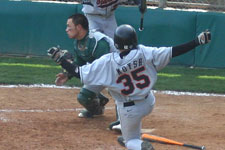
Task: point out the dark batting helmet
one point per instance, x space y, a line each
125 37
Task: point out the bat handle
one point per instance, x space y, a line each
141 24
195 147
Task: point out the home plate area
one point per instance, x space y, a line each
46 119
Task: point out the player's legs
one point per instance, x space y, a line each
95 22
102 102
106 25
110 26
97 90
91 98
115 125
131 117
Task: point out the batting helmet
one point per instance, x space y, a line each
125 37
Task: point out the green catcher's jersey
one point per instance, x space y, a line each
91 47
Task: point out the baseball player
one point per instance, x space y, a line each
101 17
100 14
88 46
129 75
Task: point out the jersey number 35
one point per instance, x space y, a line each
143 81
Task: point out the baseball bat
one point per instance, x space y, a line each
163 140
142 9
142 22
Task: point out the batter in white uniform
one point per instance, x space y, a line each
101 17
130 75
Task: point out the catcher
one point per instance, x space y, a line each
88 46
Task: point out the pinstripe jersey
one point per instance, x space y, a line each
100 7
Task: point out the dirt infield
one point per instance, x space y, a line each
46 119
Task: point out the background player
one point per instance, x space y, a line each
129 75
101 16
88 46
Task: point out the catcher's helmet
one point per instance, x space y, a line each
125 37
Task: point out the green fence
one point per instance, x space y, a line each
30 28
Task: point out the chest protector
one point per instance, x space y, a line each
86 47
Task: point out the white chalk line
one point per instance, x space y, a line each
38 86
5 119
46 110
189 93
67 87
79 109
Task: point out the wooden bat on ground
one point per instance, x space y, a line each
163 140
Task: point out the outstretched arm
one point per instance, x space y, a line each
203 38
73 69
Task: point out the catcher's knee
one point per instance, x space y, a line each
85 96
89 100
102 99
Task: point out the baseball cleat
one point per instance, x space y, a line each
146 145
117 128
85 114
121 141
88 114
114 124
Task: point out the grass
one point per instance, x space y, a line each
193 80
20 70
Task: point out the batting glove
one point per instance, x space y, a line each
56 54
204 37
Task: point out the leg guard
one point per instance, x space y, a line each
89 100
102 99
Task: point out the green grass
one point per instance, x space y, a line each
20 70
193 80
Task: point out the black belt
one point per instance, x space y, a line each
131 103
126 104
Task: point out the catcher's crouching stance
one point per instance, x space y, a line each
92 102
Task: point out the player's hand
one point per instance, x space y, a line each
61 78
204 37
86 2
142 6
56 54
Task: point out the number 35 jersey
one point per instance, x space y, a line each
128 78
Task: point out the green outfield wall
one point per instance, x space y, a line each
30 28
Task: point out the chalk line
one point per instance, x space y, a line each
67 87
46 110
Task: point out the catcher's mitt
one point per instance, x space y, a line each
56 53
